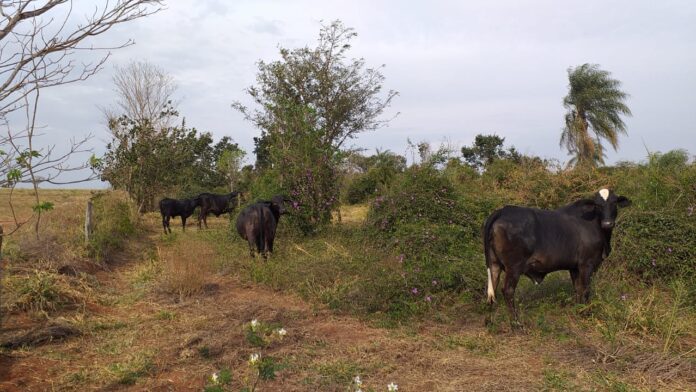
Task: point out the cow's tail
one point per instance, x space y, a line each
487 252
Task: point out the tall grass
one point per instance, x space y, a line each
185 268
115 221
47 273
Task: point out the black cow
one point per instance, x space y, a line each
535 242
215 204
173 207
257 224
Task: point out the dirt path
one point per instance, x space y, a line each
138 338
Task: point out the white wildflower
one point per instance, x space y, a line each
254 358
282 332
357 381
392 387
254 323
214 377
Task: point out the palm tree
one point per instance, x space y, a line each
594 101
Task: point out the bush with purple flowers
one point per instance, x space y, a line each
421 217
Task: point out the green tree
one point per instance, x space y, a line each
595 102
148 162
310 102
486 149
229 164
375 171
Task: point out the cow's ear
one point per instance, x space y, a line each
586 204
623 201
588 208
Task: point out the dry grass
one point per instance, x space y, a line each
43 291
68 209
353 213
185 268
31 280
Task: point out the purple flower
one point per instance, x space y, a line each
414 291
669 250
654 264
401 258
624 297
434 282
428 298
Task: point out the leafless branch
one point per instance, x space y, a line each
37 47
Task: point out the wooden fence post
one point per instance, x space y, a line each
88 221
1 237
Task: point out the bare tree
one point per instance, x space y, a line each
39 43
39 46
145 94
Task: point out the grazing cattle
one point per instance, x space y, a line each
534 242
215 204
172 207
257 224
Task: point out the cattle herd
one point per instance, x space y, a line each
517 240
256 223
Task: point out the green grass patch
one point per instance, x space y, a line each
127 373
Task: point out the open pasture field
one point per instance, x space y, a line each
162 313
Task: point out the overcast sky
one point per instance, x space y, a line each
461 68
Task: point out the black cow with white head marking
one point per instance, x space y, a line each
535 242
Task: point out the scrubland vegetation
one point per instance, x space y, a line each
406 265
378 275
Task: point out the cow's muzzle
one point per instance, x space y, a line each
608 224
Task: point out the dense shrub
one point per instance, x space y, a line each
378 171
655 237
422 218
360 188
657 246
115 220
420 195
265 186
434 217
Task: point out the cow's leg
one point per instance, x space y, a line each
512 277
261 246
267 246
251 239
252 247
165 223
202 213
264 245
582 290
183 223
574 273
